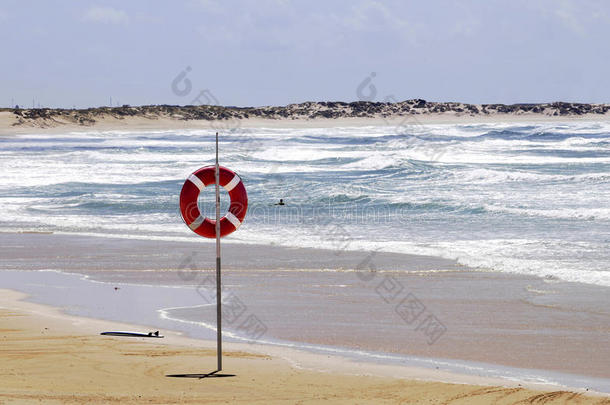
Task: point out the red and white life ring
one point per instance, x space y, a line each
190 192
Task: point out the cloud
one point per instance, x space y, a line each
369 17
577 17
106 15
281 25
3 16
570 16
208 5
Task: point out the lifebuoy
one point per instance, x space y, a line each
191 188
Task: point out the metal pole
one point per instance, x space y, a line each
218 283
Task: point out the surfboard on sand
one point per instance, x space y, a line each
133 334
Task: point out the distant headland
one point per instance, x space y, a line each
416 110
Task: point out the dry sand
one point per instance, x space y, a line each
54 358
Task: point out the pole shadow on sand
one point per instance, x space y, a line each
213 374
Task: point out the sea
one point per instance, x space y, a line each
523 198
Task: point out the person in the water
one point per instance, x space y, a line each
281 202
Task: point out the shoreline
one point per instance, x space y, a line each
531 313
43 250
330 372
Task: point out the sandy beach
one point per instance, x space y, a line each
96 368
54 358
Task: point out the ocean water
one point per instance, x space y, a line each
520 198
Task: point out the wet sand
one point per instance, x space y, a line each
50 357
335 299
35 251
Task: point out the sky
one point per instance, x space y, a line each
275 52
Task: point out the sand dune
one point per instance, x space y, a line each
310 114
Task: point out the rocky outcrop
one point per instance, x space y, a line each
309 110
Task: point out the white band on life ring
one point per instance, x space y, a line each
196 181
232 184
233 219
197 222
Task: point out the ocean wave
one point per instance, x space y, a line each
527 256
440 189
483 175
587 214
